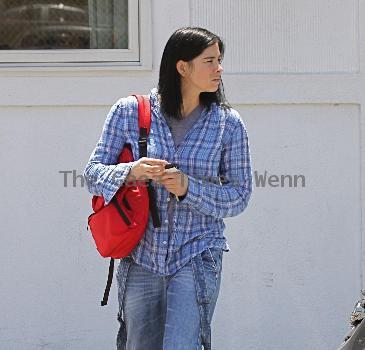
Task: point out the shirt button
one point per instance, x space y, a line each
164 242
166 221
168 199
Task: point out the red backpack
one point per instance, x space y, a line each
118 226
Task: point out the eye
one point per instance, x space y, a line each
210 61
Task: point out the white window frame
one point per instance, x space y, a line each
137 56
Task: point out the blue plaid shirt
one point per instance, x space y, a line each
215 156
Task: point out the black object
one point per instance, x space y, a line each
171 165
355 338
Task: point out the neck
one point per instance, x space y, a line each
190 100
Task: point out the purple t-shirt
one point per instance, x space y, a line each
179 128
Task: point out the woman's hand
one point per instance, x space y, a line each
175 181
145 169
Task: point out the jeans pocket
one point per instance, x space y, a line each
213 257
207 268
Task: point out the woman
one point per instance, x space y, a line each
168 286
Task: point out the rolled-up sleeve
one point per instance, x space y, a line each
103 176
231 196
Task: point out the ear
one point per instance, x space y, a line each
182 67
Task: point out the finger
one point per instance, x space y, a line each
153 161
155 168
166 180
150 169
170 189
172 170
176 178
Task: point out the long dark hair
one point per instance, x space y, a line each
185 44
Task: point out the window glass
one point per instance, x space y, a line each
65 24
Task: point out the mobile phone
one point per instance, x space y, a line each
174 167
171 165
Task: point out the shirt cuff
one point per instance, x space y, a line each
119 175
194 194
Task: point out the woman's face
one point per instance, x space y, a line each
203 73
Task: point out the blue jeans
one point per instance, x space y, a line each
168 312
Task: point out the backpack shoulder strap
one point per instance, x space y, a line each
144 122
144 112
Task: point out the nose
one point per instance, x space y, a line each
220 68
